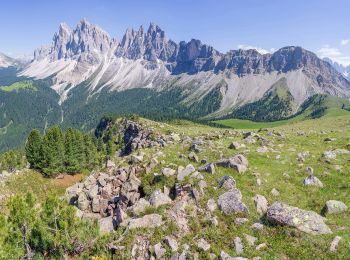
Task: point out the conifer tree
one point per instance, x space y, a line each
33 148
53 152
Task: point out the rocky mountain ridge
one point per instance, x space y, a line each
148 59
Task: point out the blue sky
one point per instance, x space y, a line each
321 26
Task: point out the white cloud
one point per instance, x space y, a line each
345 42
334 54
249 47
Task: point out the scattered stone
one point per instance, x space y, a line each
193 157
329 155
262 149
225 256
236 145
334 207
167 172
238 162
250 239
202 185
147 221
203 245
230 202
257 226
261 204
210 168
211 205
261 247
159 251
184 172
172 243
158 198
238 244
312 180
334 245
214 221
240 221
275 192
227 182
306 221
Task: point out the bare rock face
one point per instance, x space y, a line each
238 162
306 221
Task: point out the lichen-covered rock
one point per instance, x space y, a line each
140 206
237 162
261 204
83 202
334 207
210 168
230 202
185 172
203 245
227 182
106 224
158 198
172 243
312 180
147 221
306 221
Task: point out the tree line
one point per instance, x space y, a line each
57 152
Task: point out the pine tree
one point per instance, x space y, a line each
21 220
91 155
72 164
53 152
33 148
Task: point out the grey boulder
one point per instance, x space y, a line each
306 221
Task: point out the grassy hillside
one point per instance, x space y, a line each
277 168
25 84
315 107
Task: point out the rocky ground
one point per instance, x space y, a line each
186 191
196 192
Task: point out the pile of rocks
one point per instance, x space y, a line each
135 136
106 194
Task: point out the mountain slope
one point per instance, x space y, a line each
148 59
88 74
344 70
276 104
6 61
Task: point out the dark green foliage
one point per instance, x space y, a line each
12 160
57 152
35 231
208 104
53 152
26 109
33 148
